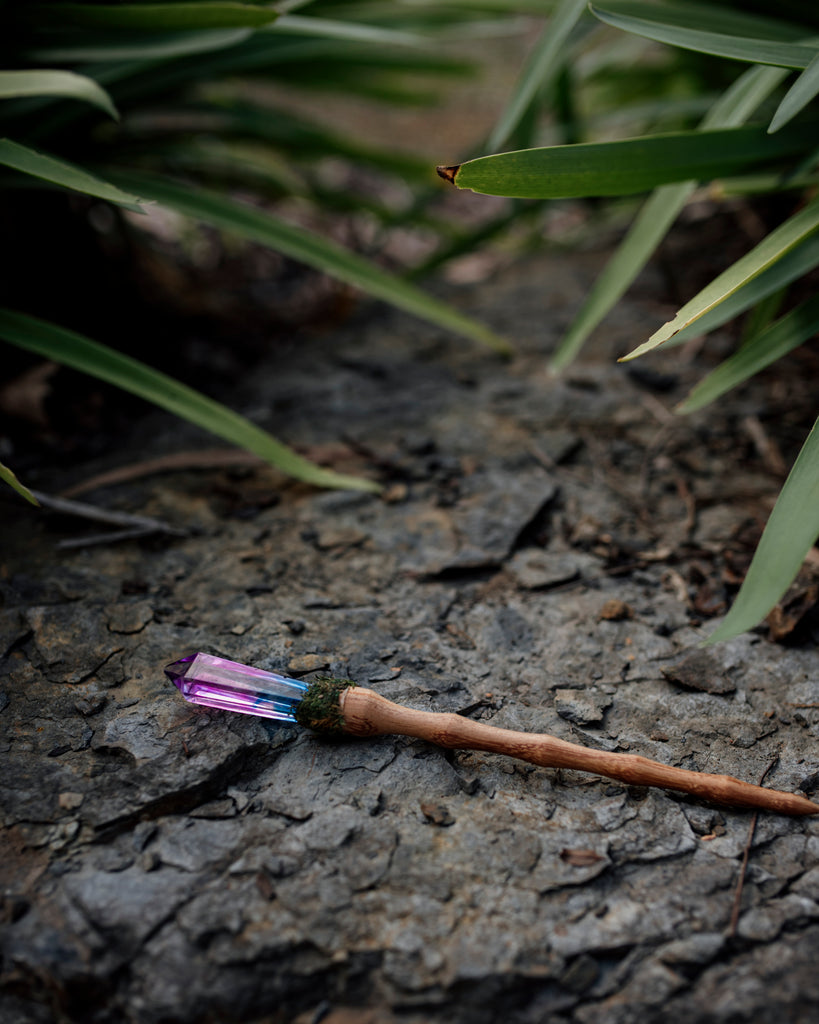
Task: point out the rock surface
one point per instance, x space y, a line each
166 863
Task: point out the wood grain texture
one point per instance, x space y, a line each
366 713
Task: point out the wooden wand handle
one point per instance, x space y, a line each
366 713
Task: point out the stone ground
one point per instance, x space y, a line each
546 557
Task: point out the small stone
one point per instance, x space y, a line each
615 610
340 537
69 801
535 569
581 974
395 493
150 861
437 814
303 663
580 707
87 706
130 618
699 671
216 809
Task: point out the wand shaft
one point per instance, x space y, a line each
366 713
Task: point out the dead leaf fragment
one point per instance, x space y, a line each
785 619
579 858
615 610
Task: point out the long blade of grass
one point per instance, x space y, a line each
87 356
259 226
772 248
140 46
61 84
751 50
658 214
291 135
760 351
9 478
293 24
60 172
791 531
625 167
794 264
155 17
543 63
724 18
798 96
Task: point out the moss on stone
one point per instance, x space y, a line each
319 709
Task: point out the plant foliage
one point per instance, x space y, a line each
169 104
760 135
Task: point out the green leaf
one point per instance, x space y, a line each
721 17
798 96
141 46
752 50
87 356
543 64
60 172
658 214
320 253
758 352
772 248
624 167
62 84
9 477
794 264
292 24
155 17
791 531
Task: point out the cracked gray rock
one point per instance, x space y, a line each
161 861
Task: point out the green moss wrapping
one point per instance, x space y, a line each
319 708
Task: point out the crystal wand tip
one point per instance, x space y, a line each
217 683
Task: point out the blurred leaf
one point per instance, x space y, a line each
794 264
141 46
624 167
355 31
87 356
763 50
60 172
63 84
543 64
9 477
760 351
798 96
772 248
762 315
723 17
791 531
296 137
155 17
306 61
320 253
658 214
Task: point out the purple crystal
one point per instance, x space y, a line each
217 683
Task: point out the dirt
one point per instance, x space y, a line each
547 554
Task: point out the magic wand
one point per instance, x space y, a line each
338 706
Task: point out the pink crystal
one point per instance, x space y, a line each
227 685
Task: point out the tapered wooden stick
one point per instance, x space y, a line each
366 713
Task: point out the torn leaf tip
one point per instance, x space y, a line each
448 173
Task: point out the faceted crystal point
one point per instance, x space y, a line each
227 685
